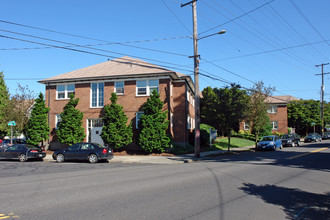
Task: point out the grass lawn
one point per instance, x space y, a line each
222 143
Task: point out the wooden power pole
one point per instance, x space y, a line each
322 95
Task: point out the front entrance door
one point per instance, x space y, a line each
94 131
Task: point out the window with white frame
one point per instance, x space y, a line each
188 96
58 120
145 87
246 126
64 91
272 109
119 87
171 89
188 122
97 97
138 117
274 125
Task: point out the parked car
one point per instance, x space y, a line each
83 151
22 152
326 135
7 142
313 137
290 140
269 143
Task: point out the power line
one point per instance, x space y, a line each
93 53
248 12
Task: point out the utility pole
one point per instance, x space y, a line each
196 78
322 95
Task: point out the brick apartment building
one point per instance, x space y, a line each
277 112
132 80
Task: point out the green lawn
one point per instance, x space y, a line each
222 143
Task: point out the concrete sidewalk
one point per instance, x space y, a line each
186 158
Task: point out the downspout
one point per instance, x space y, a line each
48 114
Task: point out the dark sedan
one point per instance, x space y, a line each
290 140
22 152
91 152
313 137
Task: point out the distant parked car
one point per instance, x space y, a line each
326 135
290 140
7 142
91 152
22 152
312 137
269 143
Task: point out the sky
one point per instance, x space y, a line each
278 42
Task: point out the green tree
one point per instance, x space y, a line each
115 131
153 125
70 130
4 102
37 129
233 105
257 115
302 113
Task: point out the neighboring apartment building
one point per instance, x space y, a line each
132 80
277 112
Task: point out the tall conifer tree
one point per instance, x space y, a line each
115 131
37 128
70 130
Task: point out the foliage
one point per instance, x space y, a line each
224 108
19 107
258 109
37 129
302 113
181 149
4 102
70 130
222 143
115 131
153 125
243 134
205 133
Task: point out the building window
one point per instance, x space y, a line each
188 96
119 88
145 87
274 125
171 119
246 126
58 120
188 122
138 117
171 89
64 91
97 90
272 109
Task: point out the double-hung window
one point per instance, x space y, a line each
272 109
246 126
58 120
64 91
97 90
119 87
145 87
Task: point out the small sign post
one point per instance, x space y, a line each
11 123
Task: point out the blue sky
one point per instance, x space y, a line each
276 41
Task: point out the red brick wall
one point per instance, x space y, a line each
130 102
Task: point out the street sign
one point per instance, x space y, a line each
12 123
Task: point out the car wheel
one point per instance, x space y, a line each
22 158
281 146
293 144
274 148
92 158
60 158
298 144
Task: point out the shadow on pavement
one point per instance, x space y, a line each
296 203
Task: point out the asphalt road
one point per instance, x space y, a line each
293 183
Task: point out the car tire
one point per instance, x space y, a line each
93 158
293 144
22 157
60 158
298 144
274 148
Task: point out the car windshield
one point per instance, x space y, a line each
267 139
6 141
